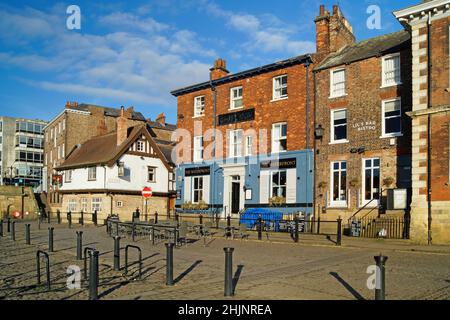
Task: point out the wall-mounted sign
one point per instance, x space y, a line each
279 164
201 171
365 126
248 194
236 117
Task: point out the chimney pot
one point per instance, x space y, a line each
219 70
322 9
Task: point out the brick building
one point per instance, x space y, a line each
245 139
107 173
363 144
76 124
429 26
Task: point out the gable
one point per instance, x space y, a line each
142 147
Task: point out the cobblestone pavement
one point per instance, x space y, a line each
276 268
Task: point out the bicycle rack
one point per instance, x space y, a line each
85 260
40 253
140 259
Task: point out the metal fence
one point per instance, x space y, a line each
389 228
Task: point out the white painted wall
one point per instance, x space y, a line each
134 180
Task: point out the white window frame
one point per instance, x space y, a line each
235 144
121 169
198 149
119 204
92 173
140 146
197 106
276 141
332 83
234 99
249 146
383 71
96 204
332 141
68 176
72 205
277 96
338 203
363 184
272 173
202 189
383 119
84 204
154 174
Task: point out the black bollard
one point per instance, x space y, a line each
9 225
13 231
82 218
48 217
156 217
296 229
27 234
116 253
228 226
79 245
1 228
146 217
259 226
69 219
200 218
93 275
380 289
169 264
318 225
339 232
228 290
50 239
133 231
58 216
94 218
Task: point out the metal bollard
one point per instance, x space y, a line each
116 253
156 217
380 289
27 234
48 217
296 229
9 225
339 232
50 239
259 226
228 290
133 231
13 231
69 219
318 225
79 245
94 218
1 228
82 218
200 218
93 275
38 267
169 264
58 216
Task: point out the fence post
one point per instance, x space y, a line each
259 226
93 275
228 290
58 216
1 228
156 217
27 234
380 289
339 232
50 239
69 219
79 245
116 253
169 264
13 231
296 228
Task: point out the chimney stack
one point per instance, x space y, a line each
161 119
219 70
122 126
71 104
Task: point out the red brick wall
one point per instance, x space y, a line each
441 67
257 94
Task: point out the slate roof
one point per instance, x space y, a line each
112 112
103 150
378 46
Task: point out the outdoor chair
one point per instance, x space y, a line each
242 233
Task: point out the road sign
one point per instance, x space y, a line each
147 192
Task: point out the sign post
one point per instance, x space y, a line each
147 193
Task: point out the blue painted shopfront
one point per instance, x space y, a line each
233 185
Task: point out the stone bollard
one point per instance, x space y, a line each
116 253
380 289
27 234
169 264
79 245
50 239
228 289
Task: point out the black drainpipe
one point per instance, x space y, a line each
429 149
308 128
315 147
213 180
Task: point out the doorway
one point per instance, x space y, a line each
235 194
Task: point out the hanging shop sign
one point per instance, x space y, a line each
201 171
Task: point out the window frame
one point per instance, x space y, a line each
90 178
338 203
281 87
279 185
332 83
68 176
72 205
235 148
84 204
200 149
280 138
332 129
383 119
197 190
233 99
154 174
94 203
249 146
196 114
383 70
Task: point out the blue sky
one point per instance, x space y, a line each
133 53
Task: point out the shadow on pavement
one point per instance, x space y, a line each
236 277
187 271
347 286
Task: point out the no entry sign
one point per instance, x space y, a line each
147 192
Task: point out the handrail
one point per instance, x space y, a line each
365 206
140 259
85 260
